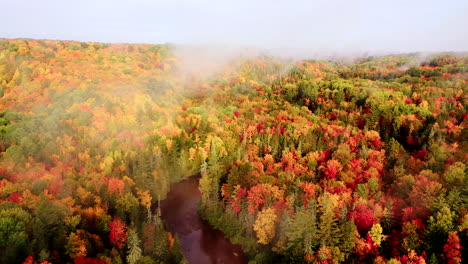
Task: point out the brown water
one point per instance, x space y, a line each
200 242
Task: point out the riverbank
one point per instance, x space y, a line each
200 242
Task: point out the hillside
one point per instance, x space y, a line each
308 161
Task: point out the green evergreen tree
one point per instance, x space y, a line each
133 244
329 233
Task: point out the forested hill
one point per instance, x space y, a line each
305 162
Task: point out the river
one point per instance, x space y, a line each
200 242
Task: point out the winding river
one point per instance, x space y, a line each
200 242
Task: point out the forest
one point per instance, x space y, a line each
359 160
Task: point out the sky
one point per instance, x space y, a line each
314 25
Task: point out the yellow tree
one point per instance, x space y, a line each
76 246
265 225
376 234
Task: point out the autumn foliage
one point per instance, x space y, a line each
317 161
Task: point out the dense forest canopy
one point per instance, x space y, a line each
311 161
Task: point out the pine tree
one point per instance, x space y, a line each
302 231
348 239
329 232
134 250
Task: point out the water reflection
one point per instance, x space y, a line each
200 242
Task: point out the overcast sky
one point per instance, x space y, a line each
333 25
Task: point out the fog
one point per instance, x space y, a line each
296 27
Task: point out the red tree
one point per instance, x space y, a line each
333 168
363 217
116 186
118 232
452 249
